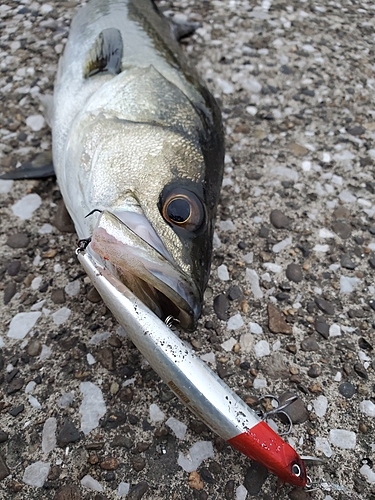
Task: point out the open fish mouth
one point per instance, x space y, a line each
131 249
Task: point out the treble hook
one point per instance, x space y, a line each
82 245
279 410
169 320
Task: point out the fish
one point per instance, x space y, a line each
138 143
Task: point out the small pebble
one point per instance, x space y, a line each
294 273
255 477
221 305
279 220
314 371
342 438
276 321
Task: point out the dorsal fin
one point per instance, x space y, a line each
106 54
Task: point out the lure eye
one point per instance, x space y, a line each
182 208
296 470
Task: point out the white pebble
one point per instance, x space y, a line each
227 225
271 266
347 284
226 87
282 244
321 248
289 173
46 8
35 122
248 258
216 242
22 323
66 399
26 206
37 305
252 110
343 439
306 166
326 157
310 49
46 229
30 387
322 445
45 352
91 483
241 492
320 406
334 330
367 407
156 415
325 233
347 197
337 179
61 315
228 344
92 407
36 474
35 284
337 377
72 289
34 402
369 474
2 343
276 345
90 359
344 155
253 278
251 85
259 383
246 342
5 186
198 452
123 489
262 348
235 322
179 428
222 272
49 435
209 357
255 328
99 337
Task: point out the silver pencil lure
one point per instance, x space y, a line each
200 389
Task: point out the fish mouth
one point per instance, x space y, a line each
131 249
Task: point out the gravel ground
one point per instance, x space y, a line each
291 301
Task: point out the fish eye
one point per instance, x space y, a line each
182 208
296 469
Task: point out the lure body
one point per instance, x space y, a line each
200 389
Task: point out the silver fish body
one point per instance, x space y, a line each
136 134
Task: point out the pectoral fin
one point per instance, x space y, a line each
106 54
38 168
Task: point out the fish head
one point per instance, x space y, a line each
151 159
162 254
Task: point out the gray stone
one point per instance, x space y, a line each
255 477
294 273
279 220
346 262
18 240
325 306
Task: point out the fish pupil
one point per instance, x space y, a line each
179 210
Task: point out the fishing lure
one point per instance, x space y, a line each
200 389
